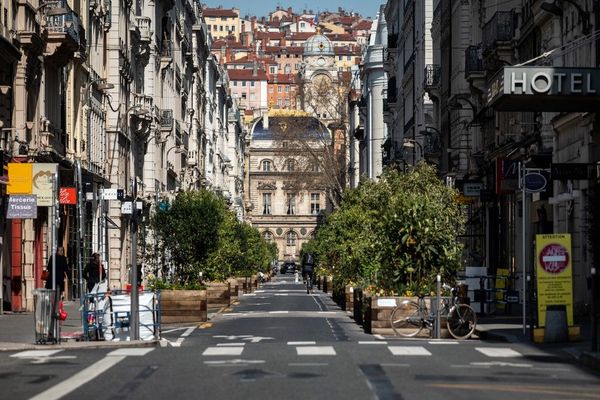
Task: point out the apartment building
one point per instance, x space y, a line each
223 22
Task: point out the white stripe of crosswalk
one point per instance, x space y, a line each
503 352
409 351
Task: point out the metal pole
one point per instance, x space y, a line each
524 244
53 232
79 244
438 319
135 328
594 310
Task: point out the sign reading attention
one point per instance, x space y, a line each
554 274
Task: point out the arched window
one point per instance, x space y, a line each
265 165
291 238
268 236
290 165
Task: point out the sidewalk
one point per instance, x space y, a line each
508 328
17 332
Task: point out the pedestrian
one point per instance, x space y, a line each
308 262
93 272
61 273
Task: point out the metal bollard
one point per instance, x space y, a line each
438 332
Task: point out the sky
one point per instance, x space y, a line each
367 8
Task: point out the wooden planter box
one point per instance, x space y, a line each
379 309
327 282
182 306
219 295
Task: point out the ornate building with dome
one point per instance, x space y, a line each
285 189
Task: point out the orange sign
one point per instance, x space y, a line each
19 178
67 195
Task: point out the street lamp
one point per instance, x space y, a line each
412 144
178 150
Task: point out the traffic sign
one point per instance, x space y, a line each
554 258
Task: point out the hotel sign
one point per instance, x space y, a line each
545 89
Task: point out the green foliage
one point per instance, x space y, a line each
159 284
394 235
203 238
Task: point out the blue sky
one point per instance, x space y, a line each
366 8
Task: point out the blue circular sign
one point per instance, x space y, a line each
535 182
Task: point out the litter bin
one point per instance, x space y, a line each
45 309
556 328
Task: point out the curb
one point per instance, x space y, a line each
11 346
590 360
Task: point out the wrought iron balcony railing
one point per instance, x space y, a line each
432 76
473 60
144 25
501 28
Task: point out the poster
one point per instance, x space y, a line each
19 178
554 270
42 183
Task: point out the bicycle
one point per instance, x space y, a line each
408 318
309 284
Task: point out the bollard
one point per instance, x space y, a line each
296 275
438 332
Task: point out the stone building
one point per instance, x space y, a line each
286 191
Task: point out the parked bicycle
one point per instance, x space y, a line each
409 318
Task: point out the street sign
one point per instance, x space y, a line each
573 171
127 207
472 189
22 206
67 195
535 182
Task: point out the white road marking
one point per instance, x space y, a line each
378 337
395 365
371 342
188 332
223 351
501 364
86 375
441 342
35 353
308 364
325 312
409 351
316 351
300 343
231 344
498 352
175 329
236 361
130 352
278 312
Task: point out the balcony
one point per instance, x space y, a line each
145 103
144 27
432 77
473 61
166 120
65 33
499 31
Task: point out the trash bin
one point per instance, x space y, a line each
44 311
556 329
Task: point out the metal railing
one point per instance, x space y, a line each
68 22
432 76
144 25
500 28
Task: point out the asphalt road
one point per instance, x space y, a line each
281 343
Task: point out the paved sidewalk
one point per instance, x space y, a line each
17 332
510 329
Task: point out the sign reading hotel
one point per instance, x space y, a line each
554 270
545 89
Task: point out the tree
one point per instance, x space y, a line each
394 234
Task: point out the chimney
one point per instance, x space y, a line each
290 11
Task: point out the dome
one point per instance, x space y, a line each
289 127
318 45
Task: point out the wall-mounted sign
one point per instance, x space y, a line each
472 189
22 206
67 195
573 171
19 178
41 180
535 88
112 194
535 182
507 176
127 207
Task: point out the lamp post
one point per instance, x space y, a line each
412 144
178 150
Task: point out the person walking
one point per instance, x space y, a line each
93 272
61 273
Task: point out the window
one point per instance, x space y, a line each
243 96
291 204
234 83
268 236
296 66
288 69
314 167
221 28
279 89
340 58
287 89
272 69
291 238
349 58
252 96
215 27
266 203
315 203
252 83
244 83
232 28
266 166
271 89
290 165
278 67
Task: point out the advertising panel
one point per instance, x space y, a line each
554 270
19 178
42 183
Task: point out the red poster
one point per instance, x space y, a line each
67 195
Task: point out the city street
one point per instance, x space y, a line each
280 343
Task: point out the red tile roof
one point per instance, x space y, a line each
363 25
346 37
246 75
219 12
283 79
